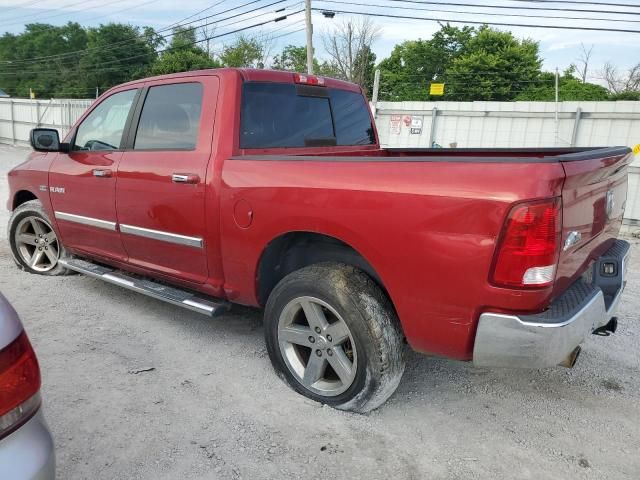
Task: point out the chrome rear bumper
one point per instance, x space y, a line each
546 339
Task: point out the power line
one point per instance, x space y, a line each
578 2
22 5
474 22
30 17
197 13
513 7
60 56
100 68
342 2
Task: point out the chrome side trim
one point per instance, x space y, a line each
92 222
162 236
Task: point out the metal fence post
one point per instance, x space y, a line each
13 122
576 126
432 133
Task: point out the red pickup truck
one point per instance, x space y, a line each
270 189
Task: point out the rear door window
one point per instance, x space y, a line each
170 118
275 115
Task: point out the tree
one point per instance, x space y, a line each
633 96
414 64
244 52
619 82
117 53
570 88
43 58
294 59
183 54
364 67
584 59
349 47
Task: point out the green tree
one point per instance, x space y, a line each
243 52
570 88
42 58
183 54
117 53
407 73
294 59
364 67
627 95
492 65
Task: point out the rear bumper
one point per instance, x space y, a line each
546 339
28 453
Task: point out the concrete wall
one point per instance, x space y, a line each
18 116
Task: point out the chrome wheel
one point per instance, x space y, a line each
317 346
37 244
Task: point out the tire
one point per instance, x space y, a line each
361 367
34 244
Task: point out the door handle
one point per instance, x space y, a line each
104 173
185 178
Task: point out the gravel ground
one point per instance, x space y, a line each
213 408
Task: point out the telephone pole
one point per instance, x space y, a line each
307 16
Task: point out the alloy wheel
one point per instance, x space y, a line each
317 346
37 244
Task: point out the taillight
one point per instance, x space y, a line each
308 79
19 384
529 247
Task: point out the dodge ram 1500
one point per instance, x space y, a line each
270 189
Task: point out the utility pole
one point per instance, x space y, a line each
307 17
557 98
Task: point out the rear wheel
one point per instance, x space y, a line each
334 337
34 244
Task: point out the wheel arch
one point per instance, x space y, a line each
22 196
292 251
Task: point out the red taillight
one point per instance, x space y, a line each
19 383
308 79
528 250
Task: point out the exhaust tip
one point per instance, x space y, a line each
572 358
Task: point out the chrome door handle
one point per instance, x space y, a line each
98 172
185 178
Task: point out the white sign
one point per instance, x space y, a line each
395 124
416 125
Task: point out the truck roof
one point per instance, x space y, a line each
249 75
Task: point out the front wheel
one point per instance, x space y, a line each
334 337
34 244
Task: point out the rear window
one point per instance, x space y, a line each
277 115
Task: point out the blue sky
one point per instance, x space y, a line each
558 47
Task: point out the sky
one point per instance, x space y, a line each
558 47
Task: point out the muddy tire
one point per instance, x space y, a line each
34 244
334 337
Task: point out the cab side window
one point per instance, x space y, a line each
104 127
170 118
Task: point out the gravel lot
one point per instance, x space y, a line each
213 408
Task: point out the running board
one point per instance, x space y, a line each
175 296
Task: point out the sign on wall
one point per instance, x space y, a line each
395 124
414 123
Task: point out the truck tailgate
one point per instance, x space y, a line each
593 198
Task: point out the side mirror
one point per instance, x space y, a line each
46 140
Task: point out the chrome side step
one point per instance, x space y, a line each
175 296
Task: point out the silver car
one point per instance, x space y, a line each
26 445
